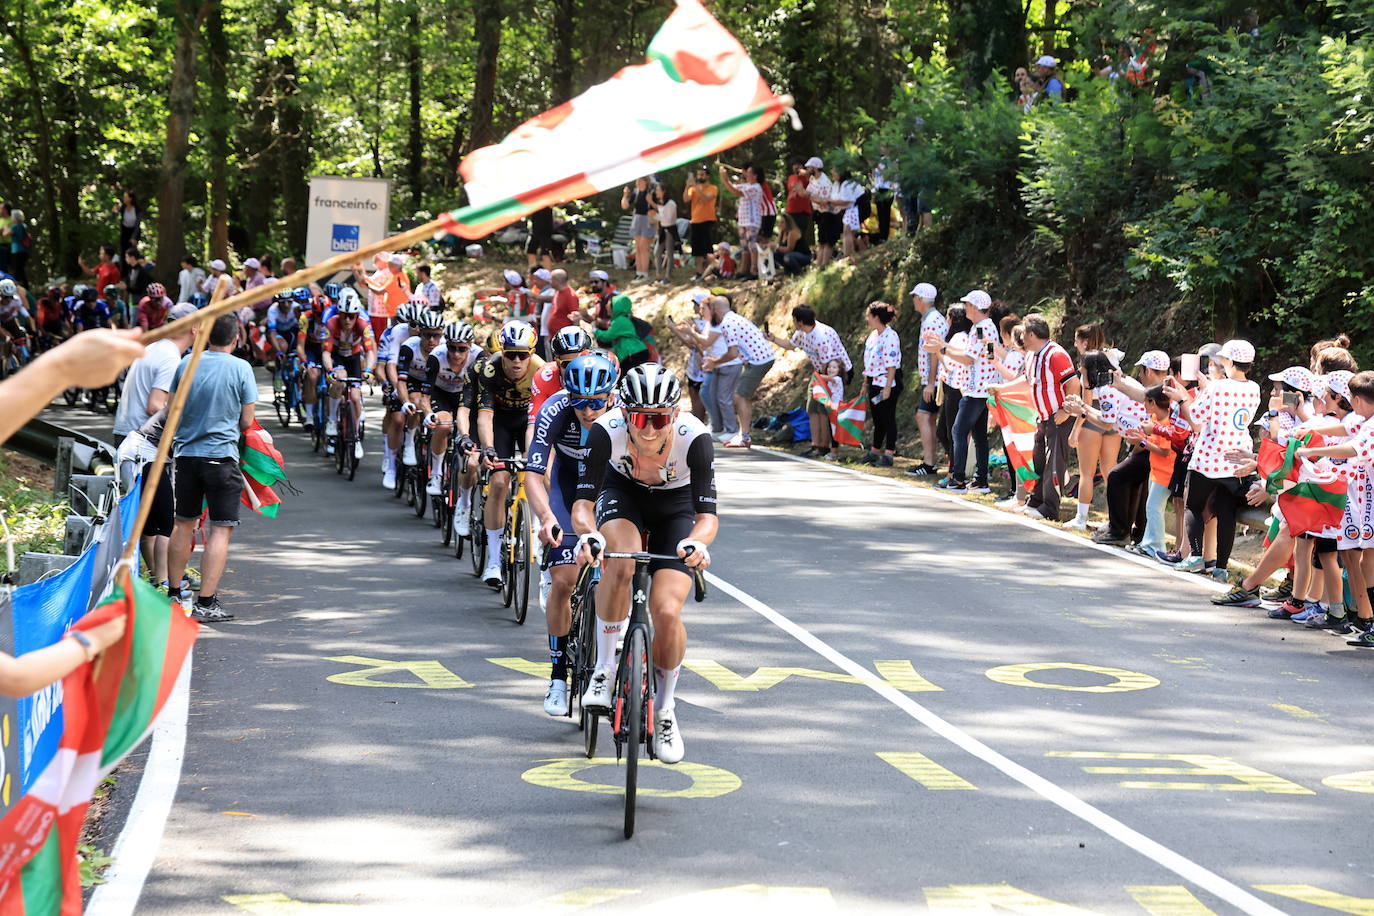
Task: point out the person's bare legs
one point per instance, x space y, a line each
214 558
744 410
179 550
1273 558
925 422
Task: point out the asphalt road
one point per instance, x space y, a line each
1057 729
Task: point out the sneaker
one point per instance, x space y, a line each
433 488
1190 565
462 525
358 450
812 452
331 427
667 738
1076 524
1219 574
831 457
869 458
1105 535
980 486
1286 610
884 461
1363 638
1309 610
1279 594
190 578
1011 503
389 479
921 470
1239 596
213 612
739 440
491 575
329 447
1329 621
597 696
723 437
408 454
952 485
556 700
1171 559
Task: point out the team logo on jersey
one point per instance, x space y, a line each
1352 532
1241 418
1368 532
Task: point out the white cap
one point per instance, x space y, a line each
924 290
1240 351
978 299
1300 377
474 250
1115 355
815 163
396 259
1339 382
180 310
599 275
543 275
513 277
723 246
1047 61
699 297
1157 360
253 263
217 264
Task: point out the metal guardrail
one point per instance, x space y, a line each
42 441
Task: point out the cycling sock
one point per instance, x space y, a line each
334 409
464 499
558 657
436 461
607 635
666 683
493 545
410 438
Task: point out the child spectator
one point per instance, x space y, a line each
1158 437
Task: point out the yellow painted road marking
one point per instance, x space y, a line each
1362 781
524 666
1246 779
560 773
1122 680
925 771
575 900
1341 903
432 674
1168 900
899 673
963 899
1296 712
282 905
755 899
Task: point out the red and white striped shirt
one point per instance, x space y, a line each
1048 370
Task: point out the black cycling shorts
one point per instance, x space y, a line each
314 354
508 431
666 516
353 365
211 483
441 401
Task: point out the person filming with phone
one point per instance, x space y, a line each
972 419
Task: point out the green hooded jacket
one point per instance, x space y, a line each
621 336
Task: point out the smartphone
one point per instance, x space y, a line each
1291 399
1190 366
991 352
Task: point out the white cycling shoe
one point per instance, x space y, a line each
433 488
556 700
667 738
358 450
331 428
408 454
597 696
462 525
491 574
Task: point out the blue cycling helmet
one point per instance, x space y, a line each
332 290
200 300
589 376
301 294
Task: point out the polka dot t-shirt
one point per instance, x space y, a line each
1224 412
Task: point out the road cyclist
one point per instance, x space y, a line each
349 352
412 378
403 326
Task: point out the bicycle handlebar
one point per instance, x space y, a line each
698 577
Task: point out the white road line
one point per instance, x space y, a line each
1202 582
136 849
1183 867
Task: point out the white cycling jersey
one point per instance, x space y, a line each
389 347
442 376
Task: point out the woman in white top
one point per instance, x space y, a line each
882 381
850 192
666 214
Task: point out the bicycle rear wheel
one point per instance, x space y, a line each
631 710
279 401
508 559
476 513
522 563
343 442
419 476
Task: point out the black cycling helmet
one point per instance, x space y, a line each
570 341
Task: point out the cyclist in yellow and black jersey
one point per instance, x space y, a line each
498 393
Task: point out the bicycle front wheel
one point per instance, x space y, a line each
476 512
522 563
631 709
508 559
279 401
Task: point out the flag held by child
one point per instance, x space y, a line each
846 417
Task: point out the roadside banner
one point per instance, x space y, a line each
345 214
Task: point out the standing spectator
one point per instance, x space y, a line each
821 343
622 337
1047 71
665 209
978 355
288 266
829 225
17 238
934 325
695 334
540 242
106 270
219 276
219 406
1128 483
849 193
701 197
130 215
1157 438
746 360
793 247
749 217
765 265
427 289
601 287
138 274
1098 443
636 200
1052 380
951 376
146 391
1221 416
253 277
882 382
189 279
389 287
153 308
798 204
563 312
541 299
5 221
884 190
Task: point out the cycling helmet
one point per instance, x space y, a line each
650 385
405 314
429 321
589 376
348 301
457 333
77 290
517 335
332 290
7 287
89 294
301 294
200 300
282 295
569 342
157 291
602 351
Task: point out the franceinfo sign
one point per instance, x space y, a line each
345 215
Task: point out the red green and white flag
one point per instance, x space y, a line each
108 707
697 93
1316 503
846 418
1015 416
263 467
1278 464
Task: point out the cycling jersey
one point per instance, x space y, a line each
548 381
557 429
88 315
493 390
389 344
440 374
283 318
413 362
351 342
690 461
11 308
312 331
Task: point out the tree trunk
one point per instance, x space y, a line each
259 146
294 152
415 145
1048 43
47 172
564 36
488 34
181 103
986 36
218 117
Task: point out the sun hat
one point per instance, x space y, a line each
924 290
599 275
978 299
1046 61
1238 351
253 263
217 264
180 310
1157 360
815 163
512 277
1339 382
396 259
543 275
1299 377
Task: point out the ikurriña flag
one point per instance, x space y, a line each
1015 416
846 417
263 467
697 93
1316 503
108 707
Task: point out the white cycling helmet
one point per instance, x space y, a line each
458 332
7 287
349 303
648 386
406 313
429 321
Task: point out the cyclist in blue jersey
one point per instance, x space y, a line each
91 311
283 319
557 445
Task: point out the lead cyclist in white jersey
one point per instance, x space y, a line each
651 471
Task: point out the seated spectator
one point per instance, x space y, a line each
793 248
720 264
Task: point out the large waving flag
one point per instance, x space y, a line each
263 467
1316 503
108 707
696 94
1277 464
1015 416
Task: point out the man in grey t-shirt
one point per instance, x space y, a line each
219 406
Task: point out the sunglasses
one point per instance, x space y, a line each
432 335
588 403
452 349
641 420
520 355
